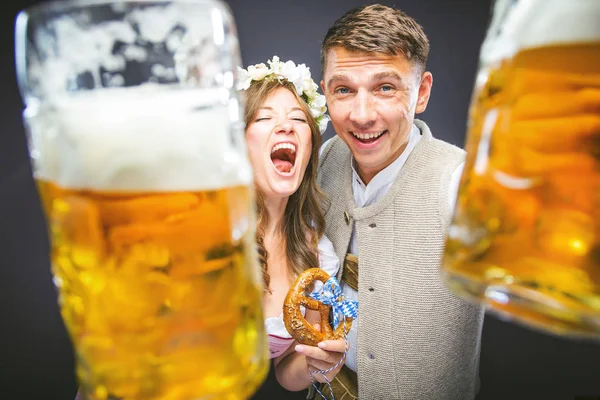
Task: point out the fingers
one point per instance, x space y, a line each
319 365
329 351
317 353
322 371
328 356
338 345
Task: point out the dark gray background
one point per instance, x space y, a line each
35 354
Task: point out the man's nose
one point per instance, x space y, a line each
363 111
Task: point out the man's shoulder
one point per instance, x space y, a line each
439 145
441 159
326 146
334 163
333 143
333 152
447 147
444 154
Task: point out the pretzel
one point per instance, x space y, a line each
297 326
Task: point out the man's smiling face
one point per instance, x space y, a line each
372 99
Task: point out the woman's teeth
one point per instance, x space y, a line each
280 146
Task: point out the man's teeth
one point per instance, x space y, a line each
365 136
279 146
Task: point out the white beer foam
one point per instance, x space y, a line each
140 139
537 23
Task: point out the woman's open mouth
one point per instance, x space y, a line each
283 156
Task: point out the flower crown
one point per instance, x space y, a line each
299 75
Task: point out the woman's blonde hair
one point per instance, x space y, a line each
303 222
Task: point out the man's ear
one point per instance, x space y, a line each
424 92
323 86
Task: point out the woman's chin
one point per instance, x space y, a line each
283 187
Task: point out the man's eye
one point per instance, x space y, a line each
386 88
342 90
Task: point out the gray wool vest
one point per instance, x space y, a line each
416 339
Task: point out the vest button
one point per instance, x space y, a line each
347 217
371 356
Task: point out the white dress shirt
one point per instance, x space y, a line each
365 195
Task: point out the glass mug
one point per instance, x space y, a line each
136 140
525 237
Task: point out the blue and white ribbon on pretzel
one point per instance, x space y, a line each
331 295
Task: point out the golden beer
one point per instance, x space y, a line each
136 142
525 238
156 293
153 248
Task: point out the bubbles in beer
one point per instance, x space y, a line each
152 283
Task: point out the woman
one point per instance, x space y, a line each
284 118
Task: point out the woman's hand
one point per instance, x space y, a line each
328 354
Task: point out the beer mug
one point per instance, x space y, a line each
137 144
525 237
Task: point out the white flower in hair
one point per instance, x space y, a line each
258 71
298 75
244 79
323 121
317 106
290 72
302 79
310 88
275 65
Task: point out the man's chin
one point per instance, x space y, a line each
367 158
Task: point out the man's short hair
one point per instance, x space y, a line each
378 29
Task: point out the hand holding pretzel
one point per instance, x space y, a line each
297 326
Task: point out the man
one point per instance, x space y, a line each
391 187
